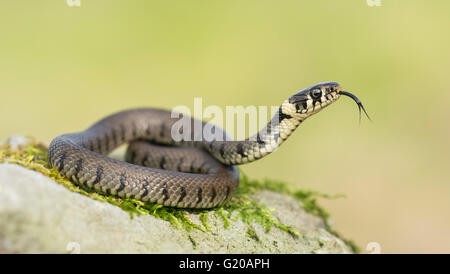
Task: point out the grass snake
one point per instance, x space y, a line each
187 173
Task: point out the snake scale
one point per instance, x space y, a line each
180 173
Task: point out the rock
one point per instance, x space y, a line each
39 215
16 141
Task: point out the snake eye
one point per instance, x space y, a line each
316 93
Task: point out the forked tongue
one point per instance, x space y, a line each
358 102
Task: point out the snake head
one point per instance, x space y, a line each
311 100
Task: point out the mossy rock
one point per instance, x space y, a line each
41 211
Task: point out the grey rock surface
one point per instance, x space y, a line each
16 140
37 215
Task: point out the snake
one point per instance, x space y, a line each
162 168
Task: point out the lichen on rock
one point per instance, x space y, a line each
263 216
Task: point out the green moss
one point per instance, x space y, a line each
194 244
221 213
251 233
241 206
251 211
204 219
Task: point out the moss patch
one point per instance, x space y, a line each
34 156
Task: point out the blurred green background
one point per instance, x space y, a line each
62 68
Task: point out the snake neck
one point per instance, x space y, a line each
266 141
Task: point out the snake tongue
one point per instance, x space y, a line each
358 102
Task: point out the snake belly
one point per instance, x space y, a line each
158 169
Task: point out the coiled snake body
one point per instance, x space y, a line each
180 173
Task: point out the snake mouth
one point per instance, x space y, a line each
358 102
